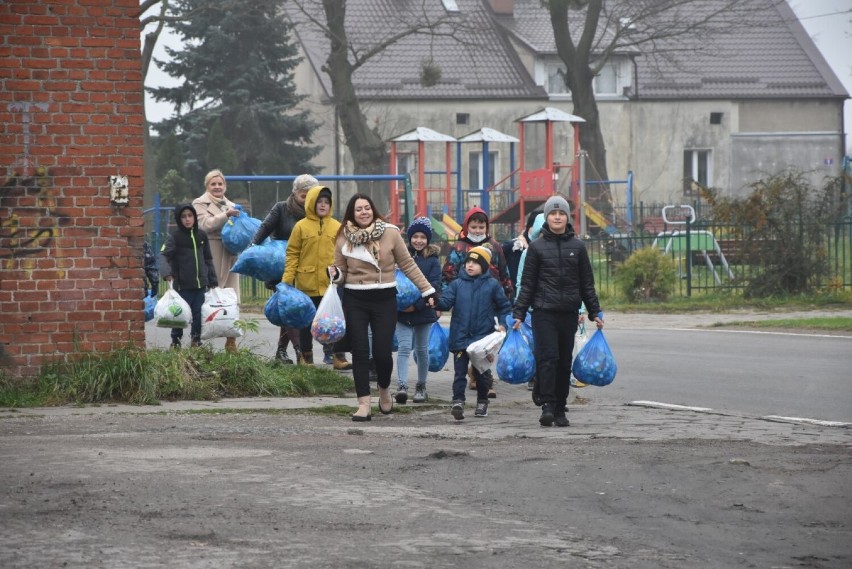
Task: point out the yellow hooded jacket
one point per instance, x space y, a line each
310 249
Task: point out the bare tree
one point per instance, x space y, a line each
588 32
365 144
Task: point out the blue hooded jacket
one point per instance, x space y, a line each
475 302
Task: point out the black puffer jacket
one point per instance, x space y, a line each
278 223
186 256
557 276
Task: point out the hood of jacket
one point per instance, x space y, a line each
178 210
311 201
429 250
467 216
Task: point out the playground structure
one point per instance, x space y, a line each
506 200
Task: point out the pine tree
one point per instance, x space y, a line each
236 68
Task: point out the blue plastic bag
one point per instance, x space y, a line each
270 310
439 347
515 360
150 303
295 308
407 292
239 231
265 262
526 329
595 364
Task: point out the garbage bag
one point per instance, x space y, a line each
595 364
439 347
329 325
407 292
526 329
238 231
219 314
265 262
515 360
270 310
150 304
172 311
295 308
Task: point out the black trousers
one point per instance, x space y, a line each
194 298
375 310
554 344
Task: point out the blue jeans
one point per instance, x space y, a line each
419 336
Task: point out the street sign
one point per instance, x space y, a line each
678 214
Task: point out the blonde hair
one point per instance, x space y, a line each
304 183
213 174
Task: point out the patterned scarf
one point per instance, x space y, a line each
295 210
367 236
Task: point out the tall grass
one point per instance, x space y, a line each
133 375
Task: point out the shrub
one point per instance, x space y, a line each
647 275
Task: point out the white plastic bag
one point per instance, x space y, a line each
219 313
329 325
483 352
172 311
580 340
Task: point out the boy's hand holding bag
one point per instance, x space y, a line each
172 311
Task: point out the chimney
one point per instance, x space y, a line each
503 7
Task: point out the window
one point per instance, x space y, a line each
462 118
697 167
607 82
450 5
475 179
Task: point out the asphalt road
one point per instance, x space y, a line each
689 360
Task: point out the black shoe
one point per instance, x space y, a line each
175 344
458 410
561 419
536 396
360 419
546 419
481 408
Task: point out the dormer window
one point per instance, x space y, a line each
609 82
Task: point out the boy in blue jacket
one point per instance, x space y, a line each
185 258
476 298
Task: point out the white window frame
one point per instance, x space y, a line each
475 157
618 71
695 157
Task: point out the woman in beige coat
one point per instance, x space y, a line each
213 210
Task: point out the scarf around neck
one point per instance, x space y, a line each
295 210
368 237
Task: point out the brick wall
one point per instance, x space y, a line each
71 106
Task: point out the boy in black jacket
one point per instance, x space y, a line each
185 258
557 278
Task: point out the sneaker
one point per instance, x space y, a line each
458 410
546 419
481 408
420 394
536 397
328 359
561 420
281 356
401 395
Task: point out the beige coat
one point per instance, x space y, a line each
212 218
358 269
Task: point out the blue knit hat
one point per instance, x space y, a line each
421 225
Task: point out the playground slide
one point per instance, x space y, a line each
445 226
599 219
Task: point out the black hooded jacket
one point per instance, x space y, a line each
186 256
557 276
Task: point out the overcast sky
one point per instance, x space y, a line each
829 22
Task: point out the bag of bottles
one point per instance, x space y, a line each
407 292
580 340
270 310
439 347
515 360
150 304
329 325
238 231
595 364
295 308
265 262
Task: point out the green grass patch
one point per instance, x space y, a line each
828 323
721 302
132 375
